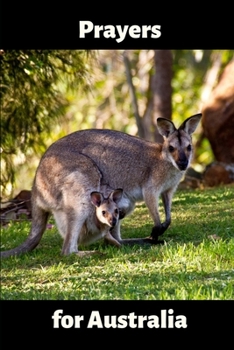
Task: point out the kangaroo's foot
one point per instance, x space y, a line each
152 240
159 230
140 241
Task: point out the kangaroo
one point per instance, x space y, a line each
86 160
82 213
102 220
144 170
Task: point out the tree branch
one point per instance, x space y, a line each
133 95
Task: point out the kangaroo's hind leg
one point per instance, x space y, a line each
71 226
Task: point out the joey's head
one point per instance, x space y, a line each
107 211
177 146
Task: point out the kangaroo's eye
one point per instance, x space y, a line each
171 148
116 211
103 213
189 148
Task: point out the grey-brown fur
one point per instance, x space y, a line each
87 160
72 199
103 219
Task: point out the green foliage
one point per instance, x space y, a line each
109 104
195 263
33 100
40 101
190 68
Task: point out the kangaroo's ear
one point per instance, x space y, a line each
116 195
96 198
190 124
165 127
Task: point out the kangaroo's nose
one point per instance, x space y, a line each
182 161
182 164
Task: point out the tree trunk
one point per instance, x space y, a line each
161 86
159 99
133 95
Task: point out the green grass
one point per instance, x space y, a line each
197 261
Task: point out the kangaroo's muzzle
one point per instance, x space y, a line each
182 165
182 161
112 222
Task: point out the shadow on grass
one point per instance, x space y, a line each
180 232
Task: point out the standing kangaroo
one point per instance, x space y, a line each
83 161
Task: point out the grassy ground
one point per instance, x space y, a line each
197 261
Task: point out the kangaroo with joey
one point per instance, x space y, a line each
145 171
82 213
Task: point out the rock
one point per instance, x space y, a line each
192 179
218 173
189 182
17 208
218 117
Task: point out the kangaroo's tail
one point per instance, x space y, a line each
39 222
